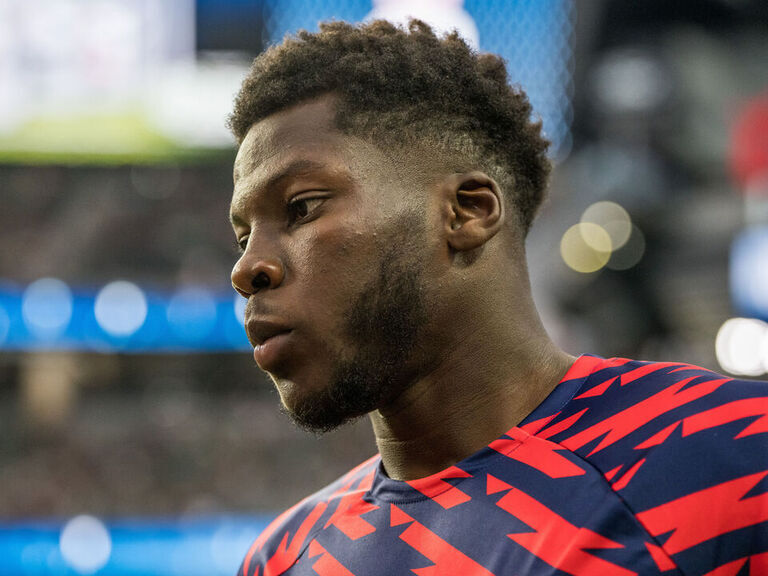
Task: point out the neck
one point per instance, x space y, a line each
486 384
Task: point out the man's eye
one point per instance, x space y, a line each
300 208
241 244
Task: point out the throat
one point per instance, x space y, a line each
439 422
421 457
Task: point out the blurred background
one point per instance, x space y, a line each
136 435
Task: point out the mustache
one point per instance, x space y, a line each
258 308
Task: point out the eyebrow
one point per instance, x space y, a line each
292 170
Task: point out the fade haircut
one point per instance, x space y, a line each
408 88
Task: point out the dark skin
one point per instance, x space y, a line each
316 212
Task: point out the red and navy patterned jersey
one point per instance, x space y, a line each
626 468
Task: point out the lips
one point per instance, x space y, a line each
270 340
259 331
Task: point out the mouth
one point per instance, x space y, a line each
260 331
269 354
269 340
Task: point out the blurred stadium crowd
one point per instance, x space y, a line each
653 243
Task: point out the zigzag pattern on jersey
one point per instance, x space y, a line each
551 539
551 543
630 427
346 493
674 403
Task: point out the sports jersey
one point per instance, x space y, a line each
626 468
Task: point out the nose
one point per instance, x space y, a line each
252 273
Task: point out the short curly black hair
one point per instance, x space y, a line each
399 87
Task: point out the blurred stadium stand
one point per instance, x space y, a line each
136 435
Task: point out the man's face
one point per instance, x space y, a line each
333 266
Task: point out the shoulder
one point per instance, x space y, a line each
620 402
685 448
287 536
638 393
627 410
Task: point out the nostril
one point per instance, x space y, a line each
261 281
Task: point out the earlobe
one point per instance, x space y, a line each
477 210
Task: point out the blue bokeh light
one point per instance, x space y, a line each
121 317
191 313
199 546
120 308
748 272
47 308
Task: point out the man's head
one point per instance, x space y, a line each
408 91
376 168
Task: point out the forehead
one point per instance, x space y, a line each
303 140
304 129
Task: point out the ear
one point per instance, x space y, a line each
476 210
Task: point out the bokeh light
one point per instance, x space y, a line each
120 308
239 309
444 17
85 544
630 253
630 81
604 237
5 325
612 218
47 307
741 346
748 271
191 313
227 545
586 247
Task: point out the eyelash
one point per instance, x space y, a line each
293 218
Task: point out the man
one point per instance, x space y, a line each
384 186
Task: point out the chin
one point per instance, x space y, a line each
315 409
294 385
290 392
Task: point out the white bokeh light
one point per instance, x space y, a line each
47 307
85 544
757 283
613 218
239 308
444 16
740 346
121 308
764 352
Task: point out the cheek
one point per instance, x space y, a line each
331 264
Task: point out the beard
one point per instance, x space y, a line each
383 326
